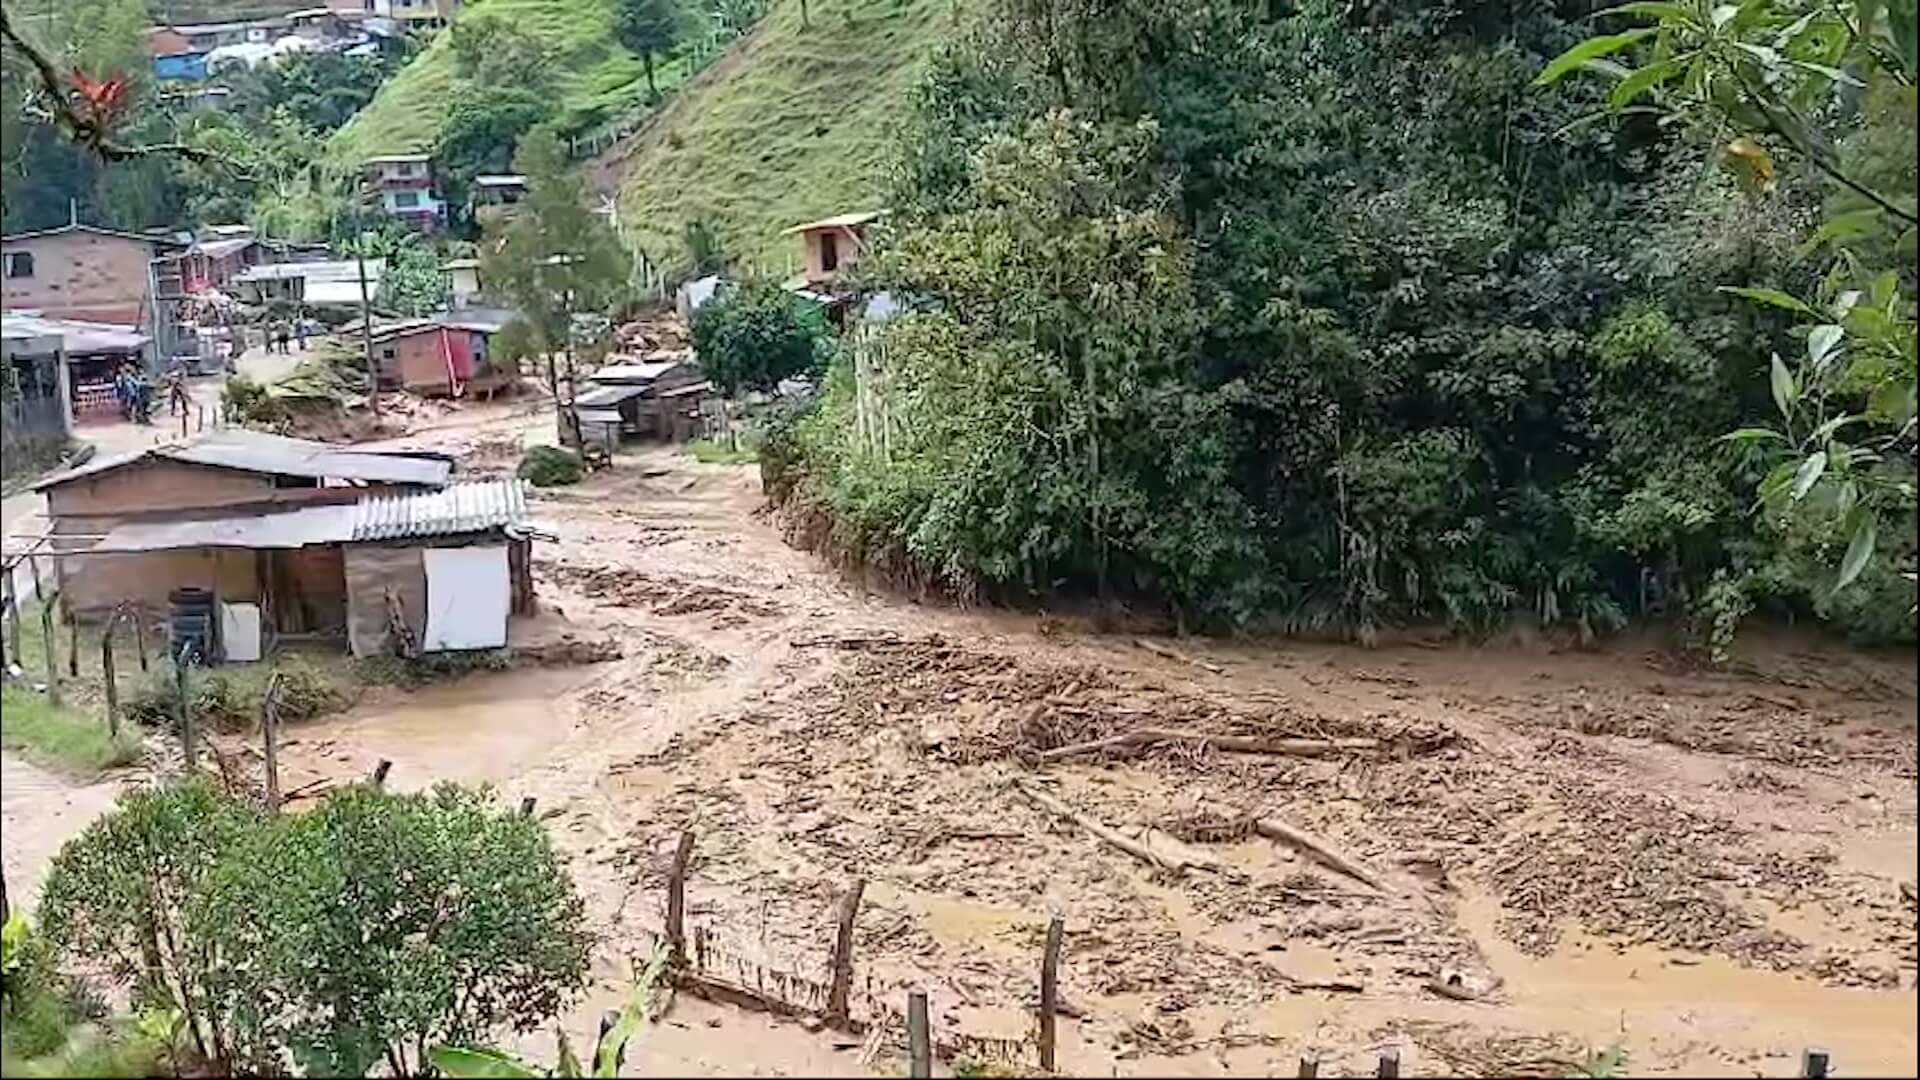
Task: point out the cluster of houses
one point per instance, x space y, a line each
191 55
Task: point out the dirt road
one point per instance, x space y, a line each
1605 849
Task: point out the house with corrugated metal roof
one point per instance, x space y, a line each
292 538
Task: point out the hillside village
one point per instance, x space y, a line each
873 537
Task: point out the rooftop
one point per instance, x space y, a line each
840 221
461 508
500 180
386 159
254 451
77 337
76 227
635 373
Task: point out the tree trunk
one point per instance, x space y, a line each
652 91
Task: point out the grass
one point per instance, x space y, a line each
64 738
795 124
596 79
717 452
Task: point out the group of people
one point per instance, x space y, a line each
281 332
134 392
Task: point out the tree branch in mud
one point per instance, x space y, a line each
1165 852
1140 738
1323 851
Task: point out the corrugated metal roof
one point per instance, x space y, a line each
634 373
254 451
461 508
601 397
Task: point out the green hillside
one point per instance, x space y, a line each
597 78
793 124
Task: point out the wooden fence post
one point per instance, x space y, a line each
380 771
1814 1062
1309 1067
73 643
919 1037
191 751
1389 1064
1050 990
53 649
677 899
13 619
842 965
111 680
270 736
140 635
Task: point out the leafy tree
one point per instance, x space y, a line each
649 28
753 336
555 257
131 892
1788 73
411 282
421 919
365 931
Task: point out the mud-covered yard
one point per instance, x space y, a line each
1592 850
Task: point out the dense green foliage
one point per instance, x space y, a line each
361 932
1314 316
753 336
1787 72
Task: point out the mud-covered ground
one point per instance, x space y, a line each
1603 849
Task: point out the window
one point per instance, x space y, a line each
829 253
19 264
406 200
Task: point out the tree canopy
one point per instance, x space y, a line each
1328 316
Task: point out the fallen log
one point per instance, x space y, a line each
1326 853
1172 653
1239 744
1154 850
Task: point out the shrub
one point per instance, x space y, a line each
550 466
365 931
248 404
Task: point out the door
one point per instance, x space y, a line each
467 598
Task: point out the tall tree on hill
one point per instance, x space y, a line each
555 257
649 27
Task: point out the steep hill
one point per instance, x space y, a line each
596 76
793 124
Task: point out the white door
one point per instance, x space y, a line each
467 598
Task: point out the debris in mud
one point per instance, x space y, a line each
1638 870
991 706
566 651
662 595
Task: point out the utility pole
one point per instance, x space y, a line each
366 313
